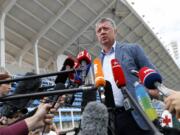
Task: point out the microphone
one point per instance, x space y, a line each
109 97
85 61
99 78
118 73
59 86
145 101
94 119
120 81
23 87
153 80
68 64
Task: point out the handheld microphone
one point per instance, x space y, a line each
85 61
94 119
152 80
99 78
145 101
59 86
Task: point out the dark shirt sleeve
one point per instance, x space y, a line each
19 128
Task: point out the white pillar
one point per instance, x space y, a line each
2 40
60 119
36 58
72 116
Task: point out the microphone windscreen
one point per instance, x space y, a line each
149 76
23 87
68 63
84 56
118 73
99 75
94 119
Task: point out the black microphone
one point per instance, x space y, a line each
53 99
109 98
68 64
23 87
94 119
58 86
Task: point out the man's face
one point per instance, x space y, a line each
105 33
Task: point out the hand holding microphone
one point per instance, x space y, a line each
153 80
173 103
120 80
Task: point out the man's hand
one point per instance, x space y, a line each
41 117
173 103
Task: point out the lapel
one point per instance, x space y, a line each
119 51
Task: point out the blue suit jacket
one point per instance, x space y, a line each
132 56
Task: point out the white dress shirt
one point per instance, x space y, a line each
108 75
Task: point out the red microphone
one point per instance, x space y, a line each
118 73
84 56
153 80
148 76
85 61
120 80
76 64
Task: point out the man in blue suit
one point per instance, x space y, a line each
130 56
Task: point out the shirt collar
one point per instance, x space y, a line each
111 51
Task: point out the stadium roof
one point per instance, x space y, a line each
67 27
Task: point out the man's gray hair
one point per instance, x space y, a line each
101 20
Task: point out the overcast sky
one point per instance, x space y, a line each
163 15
